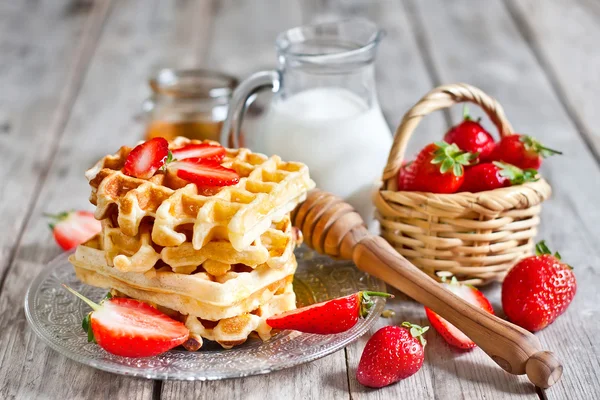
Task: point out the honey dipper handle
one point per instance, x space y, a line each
514 349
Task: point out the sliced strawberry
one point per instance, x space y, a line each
73 228
332 316
204 173
449 332
204 151
147 158
131 328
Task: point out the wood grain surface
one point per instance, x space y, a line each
73 75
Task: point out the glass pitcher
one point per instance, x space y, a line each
325 111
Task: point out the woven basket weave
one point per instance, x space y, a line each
475 236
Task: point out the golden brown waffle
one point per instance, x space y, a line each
234 331
268 190
201 294
138 254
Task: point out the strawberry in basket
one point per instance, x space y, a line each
470 136
439 168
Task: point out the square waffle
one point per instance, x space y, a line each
269 189
139 254
239 290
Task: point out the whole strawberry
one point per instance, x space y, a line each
403 174
538 289
332 316
494 175
439 168
470 136
521 151
391 354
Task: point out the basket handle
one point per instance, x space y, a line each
438 99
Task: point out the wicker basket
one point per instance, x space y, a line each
475 236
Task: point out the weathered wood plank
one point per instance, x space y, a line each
39 75
258 23
481 44
139 36
564 37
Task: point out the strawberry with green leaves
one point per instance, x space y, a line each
538 289
449 332
521 151
470 136
131 328
71 228
391 354
439 168
495 175
328 317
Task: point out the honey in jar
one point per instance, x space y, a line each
190 103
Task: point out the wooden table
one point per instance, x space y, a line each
72 77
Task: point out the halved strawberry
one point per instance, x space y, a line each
449 332
131 328
146 158
204 151
204 173
332 316
73 227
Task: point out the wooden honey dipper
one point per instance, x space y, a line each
332 227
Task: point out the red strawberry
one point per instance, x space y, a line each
470 136
204 151
521 151
489 176
204 173
449 332
131 328
438 169
391 354
147 158
73 228
538 289
332 316
403 174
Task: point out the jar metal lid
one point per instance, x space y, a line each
192 83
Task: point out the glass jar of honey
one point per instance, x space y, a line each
191 103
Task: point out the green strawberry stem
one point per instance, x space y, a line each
516 175
466 114
534 145
416 331
56 217
90 303
366 302
452 158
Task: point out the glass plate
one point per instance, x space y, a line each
55 316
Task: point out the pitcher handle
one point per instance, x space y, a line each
247 88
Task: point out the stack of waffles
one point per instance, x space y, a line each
220 260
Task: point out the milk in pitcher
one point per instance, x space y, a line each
344 141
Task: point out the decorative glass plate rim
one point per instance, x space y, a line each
339 341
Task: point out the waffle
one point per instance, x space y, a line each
268 190
234 331
138 253
200 294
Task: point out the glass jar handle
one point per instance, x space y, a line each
235 111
